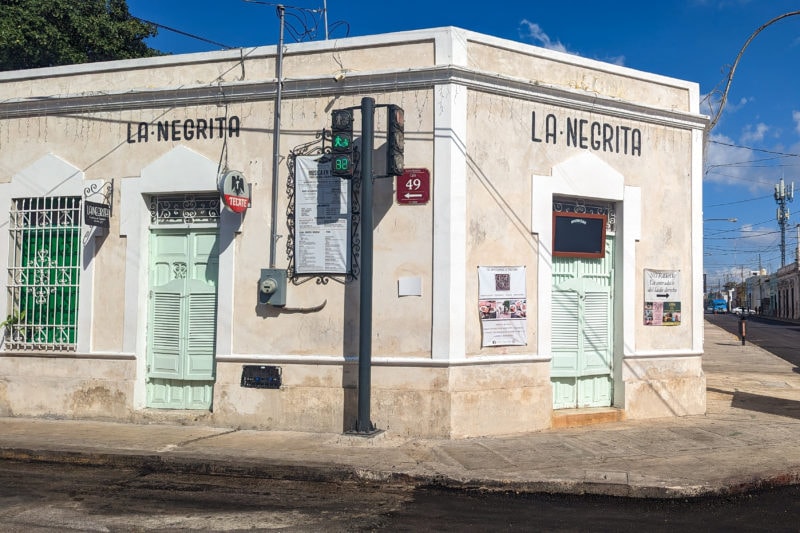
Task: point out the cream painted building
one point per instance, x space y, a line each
485 320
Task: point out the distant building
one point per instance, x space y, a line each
542 254
760 291
788 291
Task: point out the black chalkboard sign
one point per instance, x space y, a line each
95 214
579 235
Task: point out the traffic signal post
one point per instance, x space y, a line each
343 165
364 425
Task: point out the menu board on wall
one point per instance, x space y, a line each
322 218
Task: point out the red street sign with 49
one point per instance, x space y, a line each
414 186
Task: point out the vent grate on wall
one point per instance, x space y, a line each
261 377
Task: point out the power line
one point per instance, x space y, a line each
757 235
186 34
740 201
786 154
308 20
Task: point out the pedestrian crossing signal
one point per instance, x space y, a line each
342 143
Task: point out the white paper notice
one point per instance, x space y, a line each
322 218
503 306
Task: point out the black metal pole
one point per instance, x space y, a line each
363 423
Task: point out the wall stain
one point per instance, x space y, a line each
98 400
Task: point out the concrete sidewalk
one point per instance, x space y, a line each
747 439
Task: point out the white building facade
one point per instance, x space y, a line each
554 261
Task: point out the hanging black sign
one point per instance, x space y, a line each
95 214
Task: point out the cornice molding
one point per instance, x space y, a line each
377 82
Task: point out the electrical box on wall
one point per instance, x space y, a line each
272 287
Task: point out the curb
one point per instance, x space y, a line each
327 473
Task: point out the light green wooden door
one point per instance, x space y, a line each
582 331
181 338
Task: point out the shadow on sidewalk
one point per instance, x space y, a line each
763 404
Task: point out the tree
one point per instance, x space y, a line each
46 33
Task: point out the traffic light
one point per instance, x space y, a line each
342 143
395 140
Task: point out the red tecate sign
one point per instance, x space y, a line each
235 191
414 186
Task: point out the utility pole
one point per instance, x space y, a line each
783 195
276 139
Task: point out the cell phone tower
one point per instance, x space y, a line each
783 195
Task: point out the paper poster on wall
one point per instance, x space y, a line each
503 306
322 218
662 306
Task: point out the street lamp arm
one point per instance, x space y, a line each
724 97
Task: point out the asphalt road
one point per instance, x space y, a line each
779 338
38 497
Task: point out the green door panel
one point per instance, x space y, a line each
182 320
201 328
582 330
165 335
565 333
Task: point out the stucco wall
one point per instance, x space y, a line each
490 120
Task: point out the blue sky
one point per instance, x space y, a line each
755 143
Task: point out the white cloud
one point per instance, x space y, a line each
619 60
730 165
796 118
731 107
754 135
533 32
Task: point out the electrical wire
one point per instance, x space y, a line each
786 154
306 23
186 34
740 201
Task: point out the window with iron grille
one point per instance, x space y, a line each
177 209
44 273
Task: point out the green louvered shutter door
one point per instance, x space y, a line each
165 335
565 346
167 288
183 323
200 336
201 303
